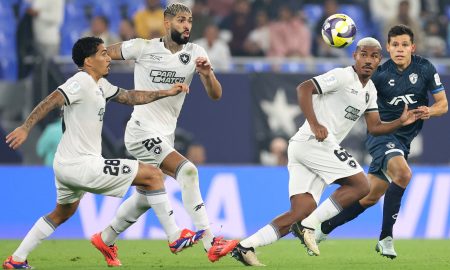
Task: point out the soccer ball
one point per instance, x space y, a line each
339 30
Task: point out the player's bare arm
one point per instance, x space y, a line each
137 97
439 107
376 127
16 138
304 96
115 51
209 80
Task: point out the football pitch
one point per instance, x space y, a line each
285 254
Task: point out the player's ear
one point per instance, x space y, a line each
413 47
167 22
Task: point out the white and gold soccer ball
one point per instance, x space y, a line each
339 30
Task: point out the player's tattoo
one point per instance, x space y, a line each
137 97
52 101
115 51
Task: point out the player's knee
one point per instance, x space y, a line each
402 177
188 175
153 177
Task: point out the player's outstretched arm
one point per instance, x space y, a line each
136 97
376 127
439 107
304 96
16 138
209 80
115 51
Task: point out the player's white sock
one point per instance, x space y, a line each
129 212
187 176
328 209
42 229
159 201
266 235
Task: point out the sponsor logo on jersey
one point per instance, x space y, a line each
391 82
155 57
126 169
165 76
413 78
352 113
407 99
184 58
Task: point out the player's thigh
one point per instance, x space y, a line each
151 149
326 159
302 179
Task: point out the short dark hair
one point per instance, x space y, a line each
173 9
84 48
399 30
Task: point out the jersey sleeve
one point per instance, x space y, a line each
331 81
73 90
132 49
109 90
434 84
372 103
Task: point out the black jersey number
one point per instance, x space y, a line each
150 143
111 167
342 154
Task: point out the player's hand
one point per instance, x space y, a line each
202 66
16 138
410 116
320 132
426 112
178 88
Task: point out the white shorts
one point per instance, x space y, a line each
313 165
111 177
148 147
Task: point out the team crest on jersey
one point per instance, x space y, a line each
367 97
184 58
390 145
413 78
126 169
157 150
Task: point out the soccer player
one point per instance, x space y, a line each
332 103
404 79
78 165
149 135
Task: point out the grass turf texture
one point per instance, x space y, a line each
285 254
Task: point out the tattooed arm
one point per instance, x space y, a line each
115 51
20 134
137 97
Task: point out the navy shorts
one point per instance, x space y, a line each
382 149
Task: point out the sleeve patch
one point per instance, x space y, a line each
437 79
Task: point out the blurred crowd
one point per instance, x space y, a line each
225 28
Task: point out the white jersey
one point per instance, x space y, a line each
156 68
341 101
84 107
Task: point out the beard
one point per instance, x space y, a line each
178 37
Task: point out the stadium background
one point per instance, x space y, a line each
242 189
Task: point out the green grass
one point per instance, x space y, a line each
285 254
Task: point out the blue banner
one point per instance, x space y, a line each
239 201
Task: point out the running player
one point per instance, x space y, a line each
149 135
79 166
404 79
332 103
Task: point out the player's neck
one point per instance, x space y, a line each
171 45
94 75
402 68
